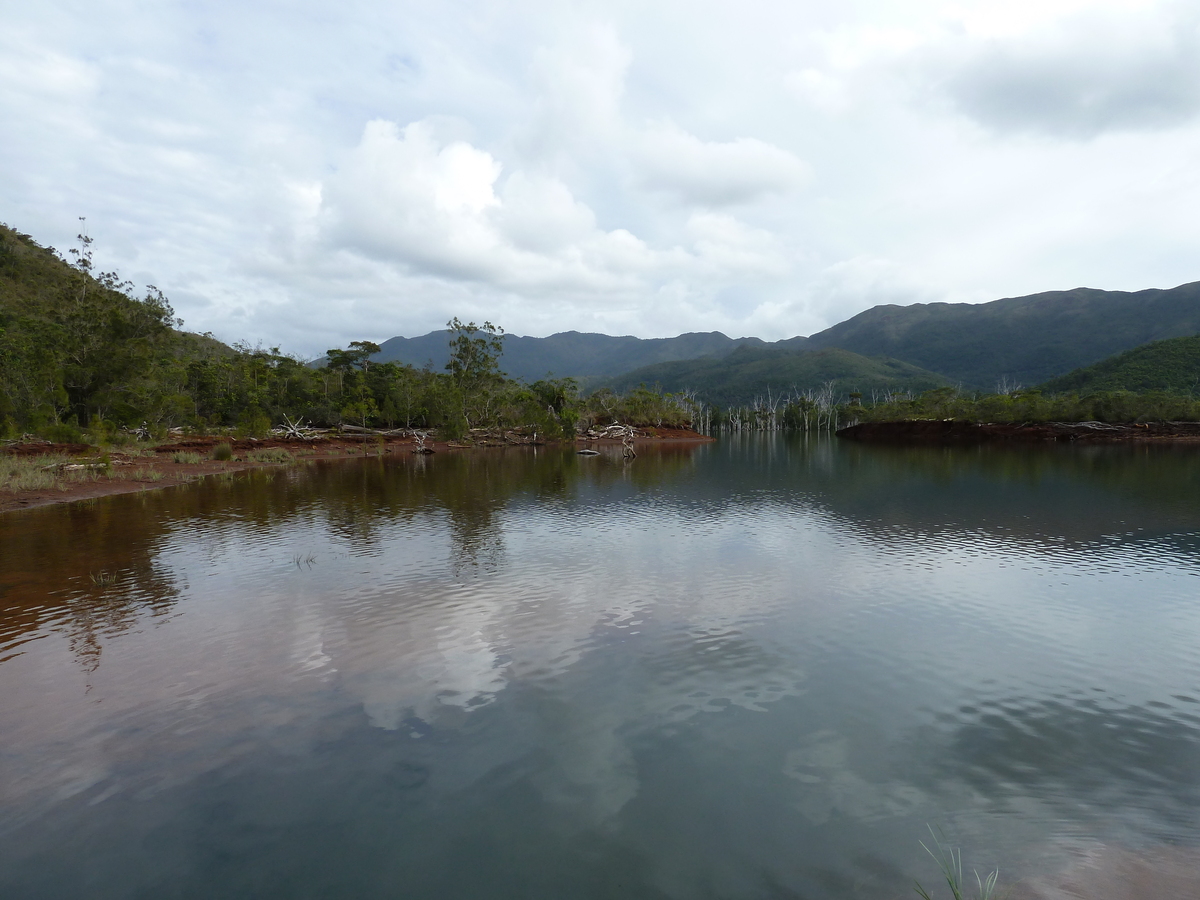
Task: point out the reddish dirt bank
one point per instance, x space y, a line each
147 469
950 432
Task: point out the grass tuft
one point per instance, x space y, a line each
31 473
949 860
185 457
222 452
272 455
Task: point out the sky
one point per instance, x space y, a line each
306 174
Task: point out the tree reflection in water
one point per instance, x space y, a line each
105 553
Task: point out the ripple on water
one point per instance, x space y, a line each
751 657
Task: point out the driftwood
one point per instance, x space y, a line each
292 429
613 432
141 433
78 467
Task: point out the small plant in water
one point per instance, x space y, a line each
103 579
222 452
949 860
308 560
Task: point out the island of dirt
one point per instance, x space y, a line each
928 431
129 470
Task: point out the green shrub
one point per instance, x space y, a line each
222 452
253 423
454 429
62 434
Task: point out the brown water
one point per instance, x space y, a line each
752 669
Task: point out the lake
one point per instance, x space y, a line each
756 668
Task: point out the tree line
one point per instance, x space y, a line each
79 351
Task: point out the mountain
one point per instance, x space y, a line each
573 353
1172 365
1024 339
749 372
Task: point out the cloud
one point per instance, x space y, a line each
725 244
403 195
1077 77
637 169
579 84
715 173
441 208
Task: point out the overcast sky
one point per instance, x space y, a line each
306 174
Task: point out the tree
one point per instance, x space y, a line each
357 357
475 352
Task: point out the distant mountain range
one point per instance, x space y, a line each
572 353
1020 340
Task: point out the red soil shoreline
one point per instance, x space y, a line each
131 473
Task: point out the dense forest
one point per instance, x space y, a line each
80 352
1171 366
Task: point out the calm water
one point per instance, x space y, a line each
751 669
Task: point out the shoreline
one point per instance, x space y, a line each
953 432
133 469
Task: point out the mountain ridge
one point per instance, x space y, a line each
1014 340
575 354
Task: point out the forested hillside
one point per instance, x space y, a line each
753 372
77 346
1172 366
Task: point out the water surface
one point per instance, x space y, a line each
757 668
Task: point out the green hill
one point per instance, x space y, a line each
74 344
1172 366
749 372
1024 339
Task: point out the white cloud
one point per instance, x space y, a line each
443 209
715 173
1094 68
616 167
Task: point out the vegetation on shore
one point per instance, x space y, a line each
83 358
1033 406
